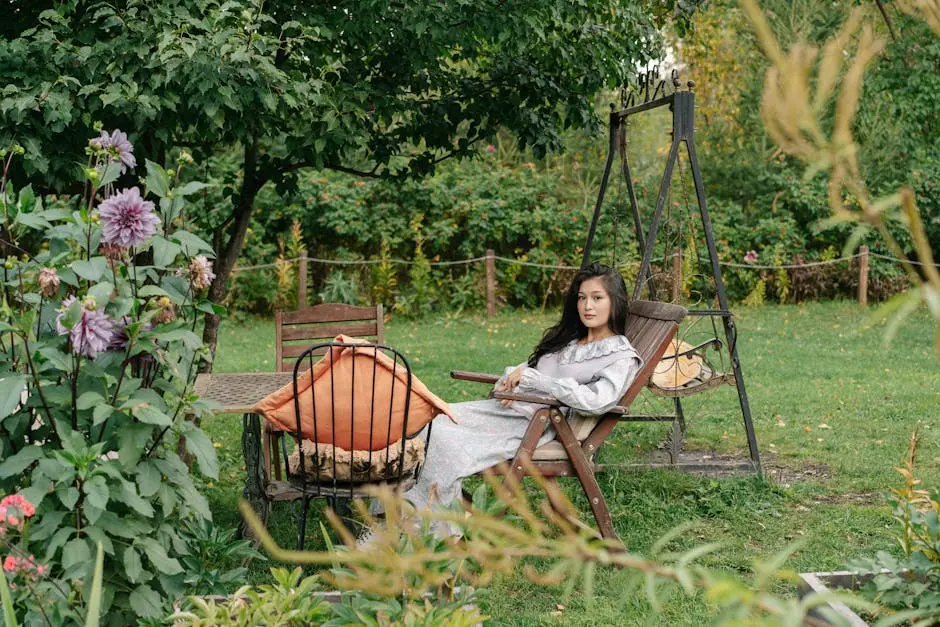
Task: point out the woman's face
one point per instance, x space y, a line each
593 304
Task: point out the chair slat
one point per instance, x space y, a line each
658 311
328 312
329 331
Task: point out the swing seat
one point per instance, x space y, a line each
706 380
684 371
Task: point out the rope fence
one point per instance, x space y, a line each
491 258
550 266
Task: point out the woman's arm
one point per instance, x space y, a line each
596 397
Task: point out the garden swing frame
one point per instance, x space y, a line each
682 105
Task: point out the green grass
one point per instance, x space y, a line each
833 409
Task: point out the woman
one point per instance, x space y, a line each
584 361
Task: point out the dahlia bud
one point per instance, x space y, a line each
113 252
167 311
48 282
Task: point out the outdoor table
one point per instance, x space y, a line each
237 393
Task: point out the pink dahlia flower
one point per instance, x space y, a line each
751 256
119 146
127 219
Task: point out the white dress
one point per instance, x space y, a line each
591 378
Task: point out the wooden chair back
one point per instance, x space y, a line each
295 331
650 328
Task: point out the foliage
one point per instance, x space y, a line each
290 600
504 529
390 90
212 567
912 582
338 288
384 281
517 209
293 600
97 381
36 593
809 110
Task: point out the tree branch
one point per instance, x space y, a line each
884 15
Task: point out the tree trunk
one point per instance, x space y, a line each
228 255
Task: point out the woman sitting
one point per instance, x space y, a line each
584 361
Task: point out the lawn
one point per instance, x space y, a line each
833 408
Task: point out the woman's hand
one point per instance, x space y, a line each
509 383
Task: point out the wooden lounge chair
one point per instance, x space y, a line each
650 328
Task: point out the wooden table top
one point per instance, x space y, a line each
237 393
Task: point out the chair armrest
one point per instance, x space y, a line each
526 398
479 377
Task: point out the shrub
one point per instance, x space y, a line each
910 583
96 381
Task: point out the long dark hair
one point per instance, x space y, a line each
570 327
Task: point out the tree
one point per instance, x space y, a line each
373 88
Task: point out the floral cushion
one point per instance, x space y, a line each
356 466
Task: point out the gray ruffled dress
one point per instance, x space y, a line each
591 378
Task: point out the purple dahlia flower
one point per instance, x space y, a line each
92 333
127 219
119 146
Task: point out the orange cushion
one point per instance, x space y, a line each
354 407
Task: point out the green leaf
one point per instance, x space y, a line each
192 244
32 220
190 340
131 441
98 536
101 413
199 444
68 495
133 567
75 552
47 524
190 188
164 251
109 173
57 358
159 558
16 464
90 270
157 180
148 479
9 616
146 603
96 490
101 292
11 391
131 499
93 615
89 400
152 290
151 415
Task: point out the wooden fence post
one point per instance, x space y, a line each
863 276
490 283
676 275
302 281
